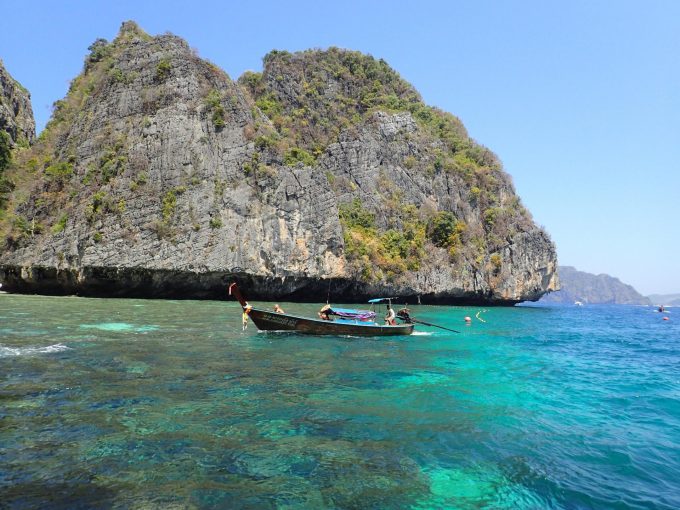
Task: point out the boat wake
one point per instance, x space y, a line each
7 352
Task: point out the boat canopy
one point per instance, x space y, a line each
349 313
380 299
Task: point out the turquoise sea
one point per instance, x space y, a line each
169 404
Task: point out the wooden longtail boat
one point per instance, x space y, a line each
346 323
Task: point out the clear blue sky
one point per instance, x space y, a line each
579 98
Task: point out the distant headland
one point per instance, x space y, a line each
590 288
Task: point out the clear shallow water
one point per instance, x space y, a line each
168 404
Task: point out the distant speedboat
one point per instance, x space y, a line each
578 303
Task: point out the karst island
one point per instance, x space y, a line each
159 175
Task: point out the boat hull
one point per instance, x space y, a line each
272 321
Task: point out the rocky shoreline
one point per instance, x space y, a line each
112 282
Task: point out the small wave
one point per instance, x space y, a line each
422 333
6 352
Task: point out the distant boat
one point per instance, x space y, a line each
578 303
345 322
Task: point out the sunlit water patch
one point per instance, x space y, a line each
120 327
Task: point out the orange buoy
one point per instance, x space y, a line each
665 318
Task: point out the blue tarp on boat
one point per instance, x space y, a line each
349 313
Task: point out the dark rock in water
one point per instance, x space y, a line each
590 288
159 176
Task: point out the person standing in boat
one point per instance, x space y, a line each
389 317
244 317
278 309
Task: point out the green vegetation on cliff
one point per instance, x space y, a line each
17 130
51 160
6 185
312 96
5 151
382 255
315 97
51 166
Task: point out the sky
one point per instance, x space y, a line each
580 99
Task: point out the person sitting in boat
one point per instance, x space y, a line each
278 309
405 314
389 317
323 313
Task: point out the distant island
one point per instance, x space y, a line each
591 288
665 299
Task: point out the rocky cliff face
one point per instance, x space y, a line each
16 114
593 289
160 176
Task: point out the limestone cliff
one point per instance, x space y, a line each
16 114
160 176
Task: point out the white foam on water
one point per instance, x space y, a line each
6 351
422 333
